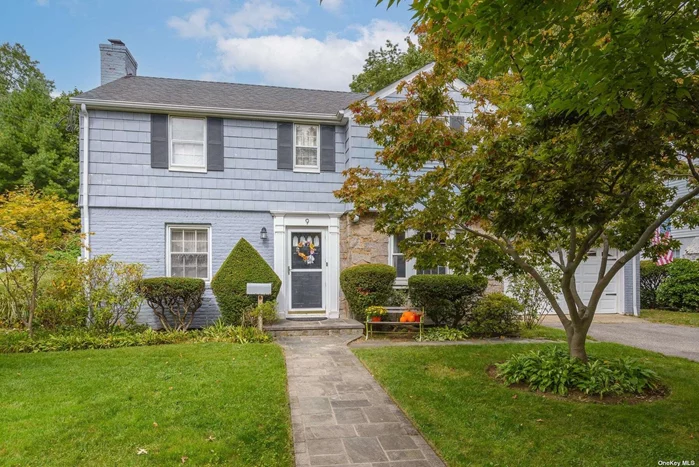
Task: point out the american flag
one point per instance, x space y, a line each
659 238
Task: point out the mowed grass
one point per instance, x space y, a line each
472 419
671 317
198 404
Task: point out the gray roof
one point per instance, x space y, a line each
180 92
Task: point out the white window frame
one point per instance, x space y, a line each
410 269
168 243
171 141
307 168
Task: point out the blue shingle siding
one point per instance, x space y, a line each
139 236
121 175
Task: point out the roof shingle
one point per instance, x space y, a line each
180 92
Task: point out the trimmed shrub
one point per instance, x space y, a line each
244 264
367 285
174 300
448 298
495 315
553 370
652 276
680 289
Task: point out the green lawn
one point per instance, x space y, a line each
214 403
543 332
671 317
474 420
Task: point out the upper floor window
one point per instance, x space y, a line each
188 144
306 148
189 251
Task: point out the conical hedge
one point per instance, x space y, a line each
243 265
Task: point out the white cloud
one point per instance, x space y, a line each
244 44
331 5
306 61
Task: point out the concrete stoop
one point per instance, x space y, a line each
326 327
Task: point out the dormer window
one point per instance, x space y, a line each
306 148
187 144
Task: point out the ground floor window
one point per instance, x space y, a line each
189 251
406 268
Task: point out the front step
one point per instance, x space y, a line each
325 327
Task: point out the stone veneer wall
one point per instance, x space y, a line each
359 244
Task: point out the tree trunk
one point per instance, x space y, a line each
576 342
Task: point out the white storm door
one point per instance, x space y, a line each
306 266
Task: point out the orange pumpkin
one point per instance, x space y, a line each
409 317
403 318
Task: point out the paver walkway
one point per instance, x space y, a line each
340 414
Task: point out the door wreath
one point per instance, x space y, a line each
306 250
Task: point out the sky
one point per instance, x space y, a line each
297 43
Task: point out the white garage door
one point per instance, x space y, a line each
586 278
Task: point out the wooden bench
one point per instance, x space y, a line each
369 324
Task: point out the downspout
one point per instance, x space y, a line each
85 181
636 267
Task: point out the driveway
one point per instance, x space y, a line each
678 341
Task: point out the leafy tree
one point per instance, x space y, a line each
33 227
38 135
389 64
540 176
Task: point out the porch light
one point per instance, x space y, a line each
263 233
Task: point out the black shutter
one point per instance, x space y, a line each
285 146
158 141
214 144
456 123
327 148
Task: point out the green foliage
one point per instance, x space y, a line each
387 65
443 334
367 285
527 291
34 228
652 275
244 264
494 315
399 297
553 370
375 310
79 339
680 289
38 133
448 298
174 300
268 310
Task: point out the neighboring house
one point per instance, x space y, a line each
174 172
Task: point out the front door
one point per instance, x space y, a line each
306 266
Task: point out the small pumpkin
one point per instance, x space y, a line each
403 318
409 317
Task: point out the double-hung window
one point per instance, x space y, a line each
187 144
189 251
306 148
406 268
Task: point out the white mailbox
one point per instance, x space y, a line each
259 289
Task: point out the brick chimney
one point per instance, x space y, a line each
116 61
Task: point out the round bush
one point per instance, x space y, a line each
447 299
495 315
367 285
680 289
174 300
244 264
652 275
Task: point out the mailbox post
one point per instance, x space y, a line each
259 289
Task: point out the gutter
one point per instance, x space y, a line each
85 181
254 114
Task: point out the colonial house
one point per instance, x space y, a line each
174 172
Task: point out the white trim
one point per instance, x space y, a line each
307 168
168 232
409 263
86 182
253 114
330 222
170 141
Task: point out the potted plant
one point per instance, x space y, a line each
375 313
